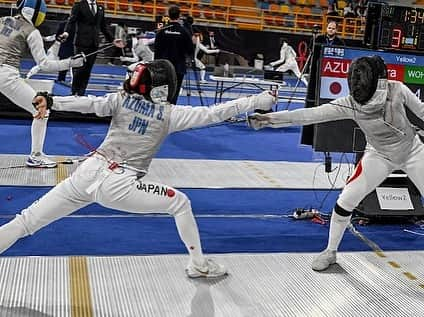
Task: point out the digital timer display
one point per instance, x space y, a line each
395 27
412 15
402 28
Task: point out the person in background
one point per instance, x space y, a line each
19 34
120 32
330 37
332 9
66 49
174 43
288 61
140 49
349 11
62 48
199 47
88 19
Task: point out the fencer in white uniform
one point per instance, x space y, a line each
113 175
52 53
199 47
17 34
140 50
378 106
288 62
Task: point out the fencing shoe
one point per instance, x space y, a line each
209 269
40 160
324 260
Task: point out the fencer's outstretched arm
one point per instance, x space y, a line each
412 101
181 118
133 59
339 109
102 106
52 54
186 117
207 50
36 46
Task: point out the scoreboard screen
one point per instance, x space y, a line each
394 27
335 61
344 135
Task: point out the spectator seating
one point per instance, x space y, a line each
288 15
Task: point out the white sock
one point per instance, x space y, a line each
189 233
38 135
10 233
202 74
338 226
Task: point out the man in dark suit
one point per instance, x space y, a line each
174 43
88 19
66 48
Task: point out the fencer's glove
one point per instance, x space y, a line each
42 103
77 60
258 121
36 102
61 38
279 119
124 58
265 100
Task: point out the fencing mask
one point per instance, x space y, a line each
32 10
155 80
363 77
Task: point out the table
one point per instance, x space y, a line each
237 81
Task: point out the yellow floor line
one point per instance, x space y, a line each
379 252
410 276
263 175
61 171
394 264
81 300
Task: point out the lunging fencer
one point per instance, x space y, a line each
112 176
140 49
377 105
17 34
288 62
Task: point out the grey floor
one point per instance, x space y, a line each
280 284
187 173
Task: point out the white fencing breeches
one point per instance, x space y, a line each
21 93
94 182
16 88
373 169
199 64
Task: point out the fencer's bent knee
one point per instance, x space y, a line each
181 204
341 211
21 226
30 220
349 200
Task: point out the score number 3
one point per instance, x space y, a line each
396 37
